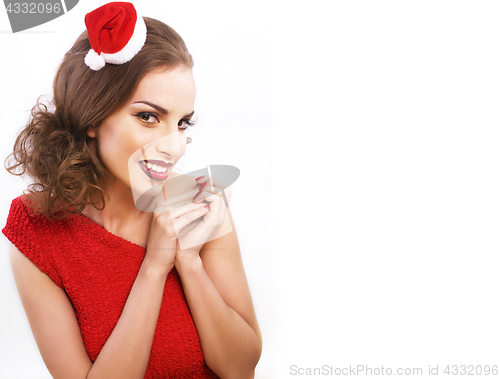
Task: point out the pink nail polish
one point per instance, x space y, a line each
206 206
195 196
200 177
203 185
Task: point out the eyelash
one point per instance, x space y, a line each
187 122
149 114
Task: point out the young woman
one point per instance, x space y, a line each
112 290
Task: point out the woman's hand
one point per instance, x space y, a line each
184 230
208 187
164 230
192 238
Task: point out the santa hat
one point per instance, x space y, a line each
116 34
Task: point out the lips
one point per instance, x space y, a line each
155 169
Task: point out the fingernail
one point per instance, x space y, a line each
203 185
206 206
200 177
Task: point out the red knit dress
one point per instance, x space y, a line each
97 269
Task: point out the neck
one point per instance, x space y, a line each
119 210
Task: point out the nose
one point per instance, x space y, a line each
169 145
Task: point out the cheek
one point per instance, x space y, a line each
116 148
118 142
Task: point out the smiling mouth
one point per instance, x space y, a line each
155 169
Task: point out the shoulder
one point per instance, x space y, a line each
34 235
21 209
21 228
24 222
23 212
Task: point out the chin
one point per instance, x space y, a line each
142 186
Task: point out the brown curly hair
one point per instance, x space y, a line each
52 148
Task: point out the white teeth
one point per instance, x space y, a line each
155 167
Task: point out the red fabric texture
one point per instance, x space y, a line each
97 270
111 26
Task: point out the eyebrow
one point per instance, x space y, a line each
158 108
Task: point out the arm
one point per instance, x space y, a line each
56 331
217 292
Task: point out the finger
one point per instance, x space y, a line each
205 186
173 203
219 181
215 204
206 193
181 222
208 185
213 197
182 198
217 212
202 179
184 209
178 213
224 193
189 227
200 190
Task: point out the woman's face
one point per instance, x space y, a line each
140 143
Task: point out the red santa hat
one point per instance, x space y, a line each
116 34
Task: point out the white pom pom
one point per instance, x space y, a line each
94 60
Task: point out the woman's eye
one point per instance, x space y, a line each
185 124
147 117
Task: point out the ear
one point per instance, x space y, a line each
92 132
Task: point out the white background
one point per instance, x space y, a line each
378 142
